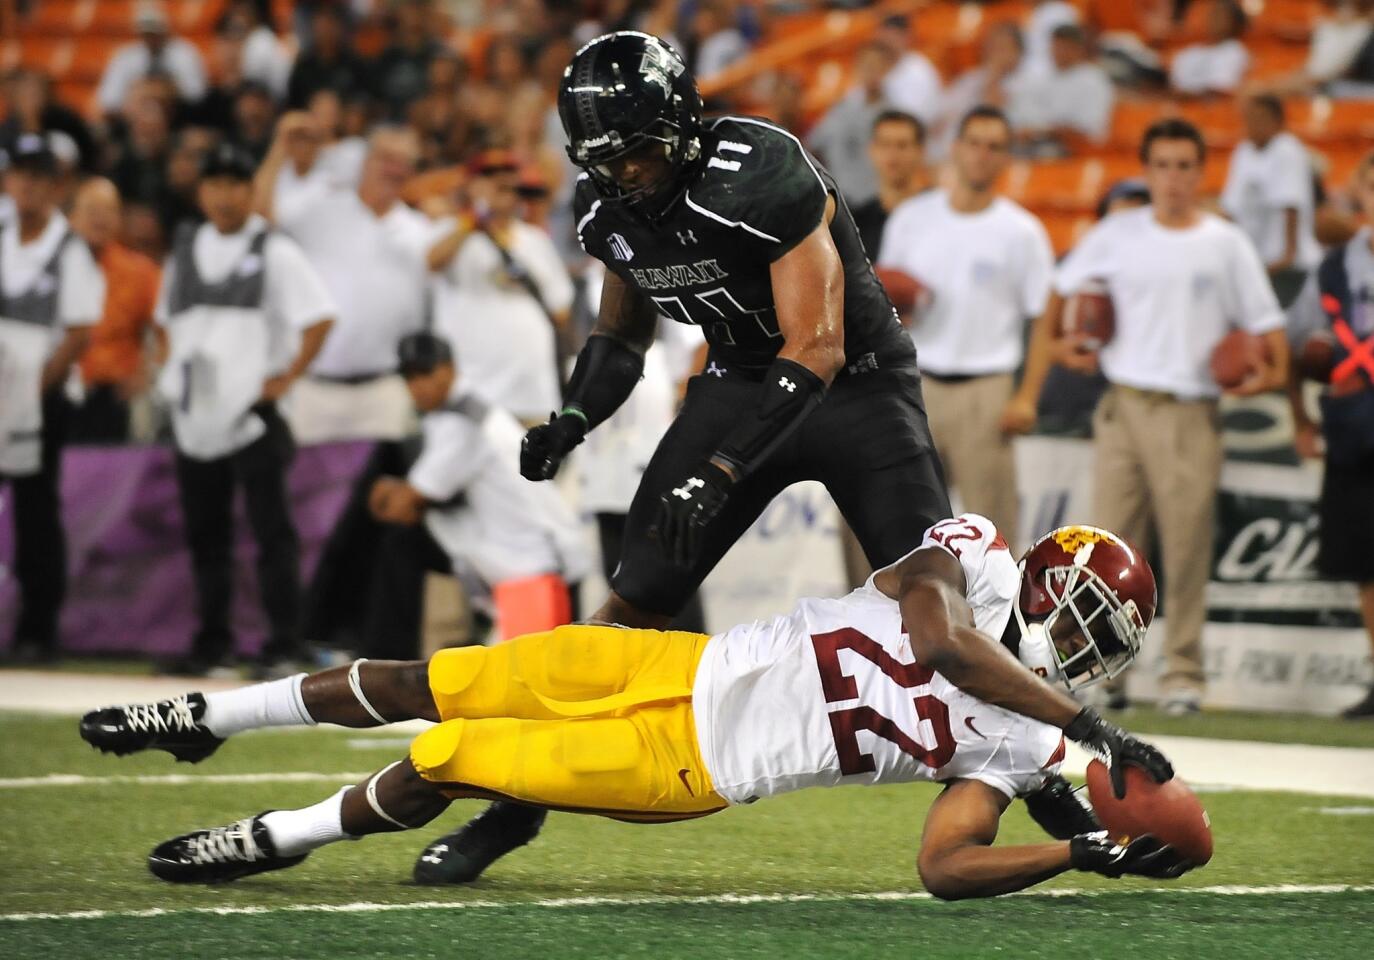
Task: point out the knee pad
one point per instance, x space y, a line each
453 670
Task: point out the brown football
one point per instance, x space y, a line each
1169 811
1089 314
1316 359
1236 356
904 290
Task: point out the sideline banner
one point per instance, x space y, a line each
129 585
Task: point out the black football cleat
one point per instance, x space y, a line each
172 725
462 856
219 854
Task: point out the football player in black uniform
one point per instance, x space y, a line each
731 225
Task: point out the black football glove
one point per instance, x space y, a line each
1145 856
686 509
544 447
1060 810
1116 748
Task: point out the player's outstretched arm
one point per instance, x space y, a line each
957 858
929 587
608 367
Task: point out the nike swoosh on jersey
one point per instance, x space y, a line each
968 722
682 775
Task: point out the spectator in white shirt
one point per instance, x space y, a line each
153 52
1269 188
717 40
501 292
262 58
841 137
985 264
244 315
1074 99
371 250
1179 279
1045 17
912 83
51 292
1342 48
1217 65
992 82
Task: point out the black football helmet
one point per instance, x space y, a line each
620 92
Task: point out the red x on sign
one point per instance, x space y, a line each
1361 353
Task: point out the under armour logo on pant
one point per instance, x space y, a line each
787 385
685 237
685 491
714 370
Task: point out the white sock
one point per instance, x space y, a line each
277 703
294 832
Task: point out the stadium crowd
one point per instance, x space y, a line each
410 211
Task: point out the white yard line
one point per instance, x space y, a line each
177 779
731 899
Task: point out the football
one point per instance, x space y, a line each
905 291
1237 356
1169 811
1316 358
1089 314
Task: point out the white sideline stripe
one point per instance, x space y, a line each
178 779
731 899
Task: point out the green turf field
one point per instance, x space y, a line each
805 869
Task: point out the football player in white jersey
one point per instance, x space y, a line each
954 665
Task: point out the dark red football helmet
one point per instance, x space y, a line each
1104 584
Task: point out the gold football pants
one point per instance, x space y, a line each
581 718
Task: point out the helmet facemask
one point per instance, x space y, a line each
653 198
1111 630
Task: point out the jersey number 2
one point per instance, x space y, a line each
845 724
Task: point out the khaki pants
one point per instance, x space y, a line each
976 454
321 411
1158 458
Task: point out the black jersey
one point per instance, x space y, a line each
756 194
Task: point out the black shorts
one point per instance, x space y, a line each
1346 518
868 442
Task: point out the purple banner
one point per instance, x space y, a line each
129 587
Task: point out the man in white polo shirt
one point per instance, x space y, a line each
1269 188
370 249
1179 278
244 314
986 263
51 292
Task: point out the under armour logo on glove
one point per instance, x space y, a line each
714 370
684 512
685 491
787 385
436 855
685 237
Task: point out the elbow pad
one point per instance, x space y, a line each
788 394
603 378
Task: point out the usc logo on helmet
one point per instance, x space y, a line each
1073 539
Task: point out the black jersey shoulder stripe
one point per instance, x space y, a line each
687 198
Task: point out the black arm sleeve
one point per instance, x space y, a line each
603 378
788 394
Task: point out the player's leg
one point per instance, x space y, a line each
648 589
395 798
365 693
872 450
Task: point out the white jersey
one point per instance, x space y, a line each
831 693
